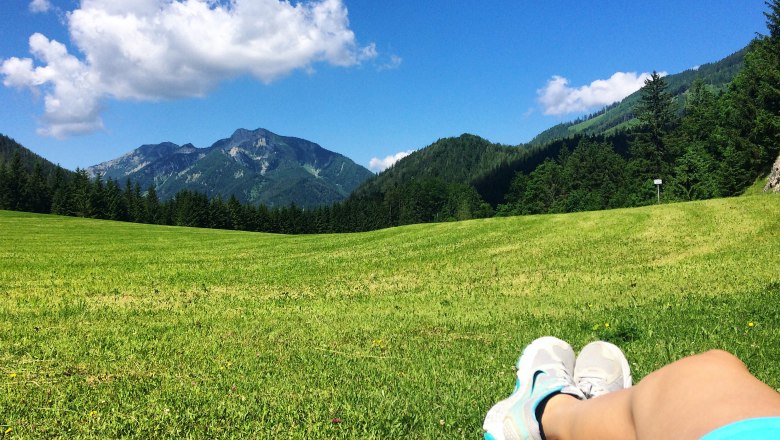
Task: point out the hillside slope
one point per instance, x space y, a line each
178 332
258 167
455 160
621 114
9 147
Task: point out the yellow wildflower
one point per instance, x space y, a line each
751 324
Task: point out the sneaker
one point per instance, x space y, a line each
544 369
601 368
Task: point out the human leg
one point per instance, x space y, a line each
685 400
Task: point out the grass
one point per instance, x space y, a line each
124 330
757 188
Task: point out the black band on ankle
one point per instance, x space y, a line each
540 410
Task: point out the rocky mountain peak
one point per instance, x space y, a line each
257 166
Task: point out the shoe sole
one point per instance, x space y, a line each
494 420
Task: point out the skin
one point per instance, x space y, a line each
683 400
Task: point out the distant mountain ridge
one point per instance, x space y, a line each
257 166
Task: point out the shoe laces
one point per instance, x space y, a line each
592 386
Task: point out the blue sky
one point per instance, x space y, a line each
365 78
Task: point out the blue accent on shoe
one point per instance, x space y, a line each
489 436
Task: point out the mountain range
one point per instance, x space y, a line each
260 167
256 166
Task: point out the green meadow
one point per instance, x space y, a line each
125 330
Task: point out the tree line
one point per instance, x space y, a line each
76 194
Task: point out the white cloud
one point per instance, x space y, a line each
40 6
168 49
557 98
393 62
377 164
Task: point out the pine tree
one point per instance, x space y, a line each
657 116
35 194
15 181
78 203
59 192
219 217
152 205
98 206
236 213
695 172
5 196
773 20
116 203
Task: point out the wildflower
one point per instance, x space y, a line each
92 413
8 431
336 420
441 422
751 324
12 375
606 325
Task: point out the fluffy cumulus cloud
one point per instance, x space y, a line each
40 6
377 164
168 49
558 98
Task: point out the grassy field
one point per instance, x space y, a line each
122 330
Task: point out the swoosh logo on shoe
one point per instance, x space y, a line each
533 379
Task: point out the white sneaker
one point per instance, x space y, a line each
601 368
544 369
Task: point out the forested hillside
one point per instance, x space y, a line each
27 181
10 149
453 160
621 116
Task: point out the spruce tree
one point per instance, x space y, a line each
35 194
695 171
773 20
152 202
656 114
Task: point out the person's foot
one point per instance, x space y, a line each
601 368
543 370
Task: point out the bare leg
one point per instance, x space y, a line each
685 400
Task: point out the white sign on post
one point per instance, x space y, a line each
658 181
